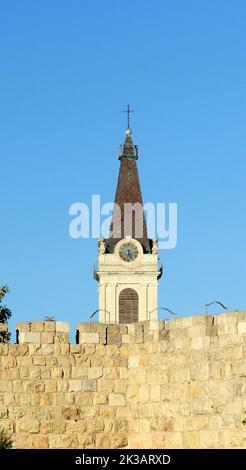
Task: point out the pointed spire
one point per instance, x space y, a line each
128 191
128 149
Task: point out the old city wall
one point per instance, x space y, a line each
156 384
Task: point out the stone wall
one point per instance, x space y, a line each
156 384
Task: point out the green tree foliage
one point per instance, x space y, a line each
5 314
5 440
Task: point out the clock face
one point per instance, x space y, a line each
128 252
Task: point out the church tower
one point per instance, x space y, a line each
127 261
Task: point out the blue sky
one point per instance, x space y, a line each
68 68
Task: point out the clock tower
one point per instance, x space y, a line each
128 260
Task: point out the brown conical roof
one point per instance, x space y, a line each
126 221
128 149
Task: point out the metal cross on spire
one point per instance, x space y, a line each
128 111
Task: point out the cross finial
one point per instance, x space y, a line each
128 111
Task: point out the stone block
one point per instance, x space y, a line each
50 386
46 427
28 425
64 348
87 338
95 425
194 389
116 399
174 440
121 386
4 348
62 385
114 339
137 375
47 337
47 399
241 369
62 327
199 371
85 327
23 349
140 440
84 398
79 372
39 387
25 399
57 350
23 327
191 440
133 361
195 423
25 361
100 398
76 348
187 322
37 326
242 327
57 372
39 361
241 315
140 338
49 326
144 425
143 394
95 372
90 349
60 337
123 372
89 385
113 329
131 328
155 392
121 425
233 406
3 412
8 361
125 339
74 385
197 343
105 385
155 325
200 320
208 439
29 337
47 349
38 441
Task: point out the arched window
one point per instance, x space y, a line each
128 306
